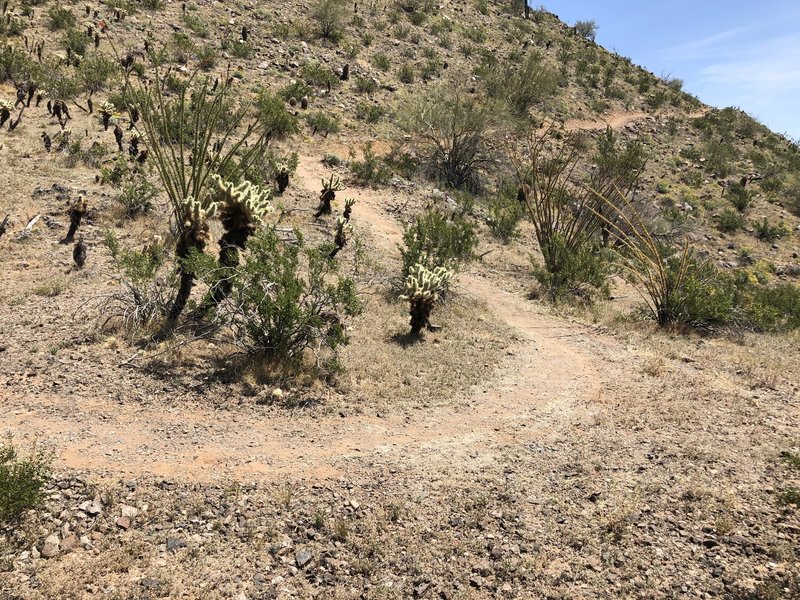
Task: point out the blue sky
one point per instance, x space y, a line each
728 53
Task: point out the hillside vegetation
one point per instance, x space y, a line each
386 299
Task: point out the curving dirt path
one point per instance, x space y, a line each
550 378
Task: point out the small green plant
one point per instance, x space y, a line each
329 16
365 85
371 170
52 287
371 113
275 118
288 302
739 196
767 232
586 29
381 61
406 73
525 86
582 271
60 18
434 240
730 221
323 123
505 214
146 285
790 497
22 480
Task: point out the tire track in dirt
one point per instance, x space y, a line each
549 379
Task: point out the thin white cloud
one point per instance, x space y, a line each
704 47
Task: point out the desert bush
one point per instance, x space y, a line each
96 73
147 286
75 41
370 170
60 17
288 301
365 85
22 480
16 64
381 61
739 196
206 57
322 122
275 118
767 232
505 214
319 75
525 86
453 130
406 73
433 240
586 29
729 221
581 271
329 16
296 89
371 113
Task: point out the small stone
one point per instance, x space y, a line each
303 557
70 542
51 546
174 544
123 523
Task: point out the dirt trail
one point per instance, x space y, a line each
549 376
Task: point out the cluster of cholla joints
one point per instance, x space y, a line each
423 289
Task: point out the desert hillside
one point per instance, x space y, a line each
387 299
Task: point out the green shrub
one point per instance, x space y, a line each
22 481
296 89
195 24
75 40
136 194
146 285
365 85
586 29
739 196
766 232
207 57
434 240
371 170
381 61
329 16
371 113
323 123
60 18
406 73
96 72
319 75
505 213
582 271
729 221
292 302
771 308
523 87
274 116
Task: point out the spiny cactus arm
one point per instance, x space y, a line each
255 201
422 283
196 212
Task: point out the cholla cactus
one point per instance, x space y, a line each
106 113
328 195
282 177
76 213
194 236
5 111
241 208
348 207
343 231
423 288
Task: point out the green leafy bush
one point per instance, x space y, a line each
581 272
323 123
60 18
434 240
22 480
329 16
729 221
767 232
522 87
371 170
319 75
739 196
505 213
274 116
290 303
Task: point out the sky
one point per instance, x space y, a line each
728 53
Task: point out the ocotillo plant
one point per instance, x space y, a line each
423 289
